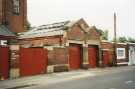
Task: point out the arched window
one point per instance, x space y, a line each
16 6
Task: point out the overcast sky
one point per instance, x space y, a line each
94 12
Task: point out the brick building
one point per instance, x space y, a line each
108 53
70 44
13 15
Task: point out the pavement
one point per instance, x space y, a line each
54 78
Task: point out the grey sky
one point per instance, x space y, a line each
95 12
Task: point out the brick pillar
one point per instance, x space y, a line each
85 56
14 61
100 57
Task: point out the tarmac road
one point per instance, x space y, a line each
111 78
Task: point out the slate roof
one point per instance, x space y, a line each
47 30
4 31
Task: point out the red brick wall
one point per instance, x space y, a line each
42 40
15 22
1 11
109 47
57 56
76 33
93 34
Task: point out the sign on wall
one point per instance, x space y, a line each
121 53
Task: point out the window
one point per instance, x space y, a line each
16 6
120 53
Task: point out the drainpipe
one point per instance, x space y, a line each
60 40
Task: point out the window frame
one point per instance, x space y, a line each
16 6
123 55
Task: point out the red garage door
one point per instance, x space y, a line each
92 56
4 62
33 61
74 56
106 57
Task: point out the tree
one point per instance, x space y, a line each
122 39
132 40
104 34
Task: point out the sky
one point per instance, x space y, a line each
95 12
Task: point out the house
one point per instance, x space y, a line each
71 45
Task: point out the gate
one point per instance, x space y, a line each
74 56
4 62
33 61
92 56
106 57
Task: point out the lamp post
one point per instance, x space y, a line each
115 41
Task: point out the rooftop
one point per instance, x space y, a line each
47 30
4 31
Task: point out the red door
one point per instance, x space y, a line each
33 61
92 56
74 57
4 62
106 57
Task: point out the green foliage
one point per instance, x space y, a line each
132 40
104 34
122 39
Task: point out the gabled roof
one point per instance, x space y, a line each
4 31
94 27
47 30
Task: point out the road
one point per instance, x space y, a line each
122 80
111 79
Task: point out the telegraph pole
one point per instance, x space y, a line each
115 41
